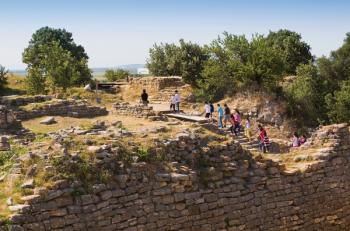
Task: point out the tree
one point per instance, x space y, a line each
53 54
156 63
294 50
192 61
339 104
305 96
234 62
3 77
35 82
114 75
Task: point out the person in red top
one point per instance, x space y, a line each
264 141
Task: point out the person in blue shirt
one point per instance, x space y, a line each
220 115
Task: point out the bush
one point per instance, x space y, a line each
3 77
339 104
114 75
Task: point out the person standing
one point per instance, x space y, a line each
227 116
144 97
207 110
211 110
220 115
177 101
172 103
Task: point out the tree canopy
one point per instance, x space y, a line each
53 56
114 75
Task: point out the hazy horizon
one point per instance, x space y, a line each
121 32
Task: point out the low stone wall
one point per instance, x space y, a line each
23 100
157 83
133 110
72 108
229 190
7 117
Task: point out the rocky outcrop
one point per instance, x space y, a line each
210 187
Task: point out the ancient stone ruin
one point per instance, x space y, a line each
218 188
7 117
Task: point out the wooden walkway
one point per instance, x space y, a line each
198 119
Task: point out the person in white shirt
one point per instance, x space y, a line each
177 101
207 110
172 103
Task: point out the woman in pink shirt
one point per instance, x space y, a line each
237 121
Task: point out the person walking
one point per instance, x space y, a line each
247 129
144 97
233 125
220 115
227 114
177 101
237 121
264 141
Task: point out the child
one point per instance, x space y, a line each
295 140
237 121
263 139
302 140
266 142
247 131
233 125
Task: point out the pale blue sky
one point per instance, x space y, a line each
121 32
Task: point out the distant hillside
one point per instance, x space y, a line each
98 71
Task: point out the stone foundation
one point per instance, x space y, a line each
7 117
24 100
133 110
71 108
227 189
157 83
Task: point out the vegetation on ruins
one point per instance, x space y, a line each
319 90
3 77
55 61
114 75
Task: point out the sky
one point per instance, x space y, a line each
121 32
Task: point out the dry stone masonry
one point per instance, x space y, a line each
72 108
210 187
7 117
23 100
133 110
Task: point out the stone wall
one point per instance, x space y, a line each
7 117
23 100
227 189
72 108
133 110
157 83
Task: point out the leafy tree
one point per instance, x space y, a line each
54 55
156 63
338 104
114 75
234 62
35 82
3 77
192 61
294 50
185 59
305 96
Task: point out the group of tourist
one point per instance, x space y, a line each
234 119
174 100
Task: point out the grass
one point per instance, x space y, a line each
15 85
